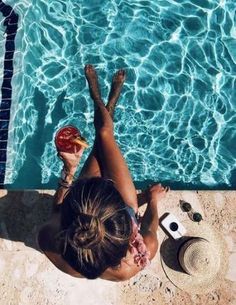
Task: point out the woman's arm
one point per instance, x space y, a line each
150 218
63 189
71 162
150 221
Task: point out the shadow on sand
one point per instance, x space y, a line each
21 215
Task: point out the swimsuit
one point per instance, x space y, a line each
137 246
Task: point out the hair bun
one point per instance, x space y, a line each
87 231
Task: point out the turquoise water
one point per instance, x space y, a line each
176 118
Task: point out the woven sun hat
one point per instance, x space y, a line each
197 262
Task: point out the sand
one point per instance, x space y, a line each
28 278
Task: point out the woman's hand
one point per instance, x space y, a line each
156 192
71 160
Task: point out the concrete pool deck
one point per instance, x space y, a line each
27 277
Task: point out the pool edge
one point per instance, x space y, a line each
11 24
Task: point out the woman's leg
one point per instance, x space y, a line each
107 152
91 166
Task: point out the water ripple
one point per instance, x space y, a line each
178 100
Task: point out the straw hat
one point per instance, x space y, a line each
198 262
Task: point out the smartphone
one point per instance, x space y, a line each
172 226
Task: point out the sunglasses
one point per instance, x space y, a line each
193 215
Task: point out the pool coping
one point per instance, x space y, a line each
33 278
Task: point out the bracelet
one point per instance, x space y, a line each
65 184
65 174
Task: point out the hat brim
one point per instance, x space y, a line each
169 259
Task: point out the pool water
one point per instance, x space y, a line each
176 119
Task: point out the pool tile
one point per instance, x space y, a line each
11 30
9 54
6 92
3 155
10 45
6 83
5 9
3 144
5 104
4 114
11 24
8 65
2 177
4 124
13 20
2 167
7 74
4 134
11 33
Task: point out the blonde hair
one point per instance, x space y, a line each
96 227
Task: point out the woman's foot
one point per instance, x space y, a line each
102 117
92 79
116 87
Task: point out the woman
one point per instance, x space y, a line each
94 228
